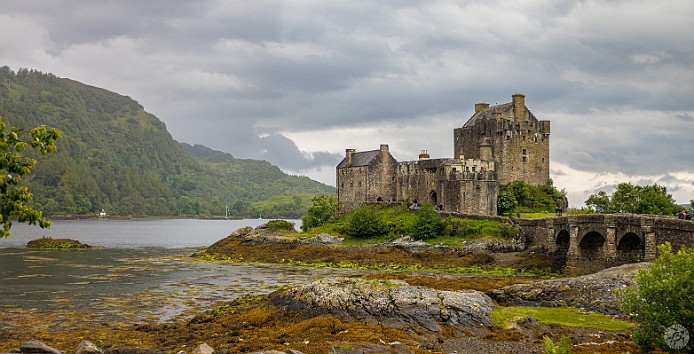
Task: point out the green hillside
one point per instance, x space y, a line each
116 156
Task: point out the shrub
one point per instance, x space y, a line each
428 223
365 222
563 347
280 225
663 298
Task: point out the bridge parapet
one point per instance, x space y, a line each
596 241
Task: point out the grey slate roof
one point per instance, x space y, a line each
363 158
486 114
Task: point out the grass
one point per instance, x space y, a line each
56 243
565 316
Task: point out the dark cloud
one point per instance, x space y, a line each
615 78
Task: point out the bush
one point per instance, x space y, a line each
467 228
280 225
365 222
323 211
663 298
428 223
563 347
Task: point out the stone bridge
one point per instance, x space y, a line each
588 243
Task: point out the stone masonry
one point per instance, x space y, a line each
496 146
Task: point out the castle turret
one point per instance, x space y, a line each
519 107
486 151
424 155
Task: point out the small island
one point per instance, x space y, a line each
60 243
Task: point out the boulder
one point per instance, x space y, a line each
87 347
203 348
393 303
35 346
327 239
594 292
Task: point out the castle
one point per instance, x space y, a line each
496 146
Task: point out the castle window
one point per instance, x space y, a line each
525 155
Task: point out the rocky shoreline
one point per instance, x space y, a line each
413 311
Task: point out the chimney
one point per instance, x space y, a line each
424 155
349 153
479 107
519 106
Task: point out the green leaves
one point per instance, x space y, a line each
662 298
629 198
15 200
323 211
428 223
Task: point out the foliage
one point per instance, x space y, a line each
428 223
467 228
117 157
565 316
365 222
15 199
563 347
322 211
280 225
663 297
519 196
629 198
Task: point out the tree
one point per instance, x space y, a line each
323 211
629 198
663 298
15 199
428 223
524 197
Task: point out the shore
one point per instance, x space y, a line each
285 320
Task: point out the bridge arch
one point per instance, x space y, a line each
562 242
630 248
590 247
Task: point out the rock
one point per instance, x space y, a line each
327 239
35 346
87 347
393 303
365 348
203 349
61 243
594 292
134 351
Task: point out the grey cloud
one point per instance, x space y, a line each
225 73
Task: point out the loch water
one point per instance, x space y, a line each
141 271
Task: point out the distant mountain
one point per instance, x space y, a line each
117 157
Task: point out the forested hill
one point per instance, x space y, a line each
117 157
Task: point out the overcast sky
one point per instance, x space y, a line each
297 82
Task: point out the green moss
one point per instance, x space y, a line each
565 316
58 243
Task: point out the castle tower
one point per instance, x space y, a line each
511 136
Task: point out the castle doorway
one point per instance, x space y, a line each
433 198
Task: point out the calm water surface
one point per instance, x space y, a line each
144 272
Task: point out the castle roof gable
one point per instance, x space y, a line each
363 158
487 114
